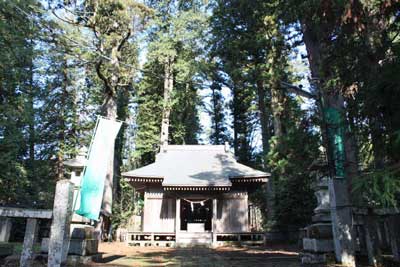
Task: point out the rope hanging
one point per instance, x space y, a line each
192 202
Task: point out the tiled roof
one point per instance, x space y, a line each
195 165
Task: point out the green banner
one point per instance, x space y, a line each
100 154
336 139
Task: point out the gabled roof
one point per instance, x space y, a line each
196 165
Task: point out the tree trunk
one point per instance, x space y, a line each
378 143
277 109
263 119
61 120
109 110
168 87
235 120
265 135
336 140
277 98
217 134
240 122
31 120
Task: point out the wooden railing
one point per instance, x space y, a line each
378 231
144 239
243 238
169 239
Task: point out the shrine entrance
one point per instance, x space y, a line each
196 215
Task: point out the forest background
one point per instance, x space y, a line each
256 74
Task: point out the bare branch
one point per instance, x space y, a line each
297 90
123 41
65 20
103 78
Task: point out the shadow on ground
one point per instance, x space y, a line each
136 256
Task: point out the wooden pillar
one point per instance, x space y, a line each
214 222
177 218
246 217
29 240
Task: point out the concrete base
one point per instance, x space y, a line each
312 258
320 230
318 245
76 246
83 247
76 260
82 231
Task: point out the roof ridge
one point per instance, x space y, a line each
196 147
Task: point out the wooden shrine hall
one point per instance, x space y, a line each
195 194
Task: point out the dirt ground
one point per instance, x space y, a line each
118 254
121 255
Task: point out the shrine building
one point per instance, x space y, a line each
195 195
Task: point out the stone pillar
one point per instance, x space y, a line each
5 229
60 226
342 221
29 240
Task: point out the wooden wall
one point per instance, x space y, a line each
232 213
160 209
159 212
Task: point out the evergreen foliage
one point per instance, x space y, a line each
62 63
290 159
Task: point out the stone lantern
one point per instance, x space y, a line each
82 243
76 166
318 238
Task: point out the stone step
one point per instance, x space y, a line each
193 239
194 235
